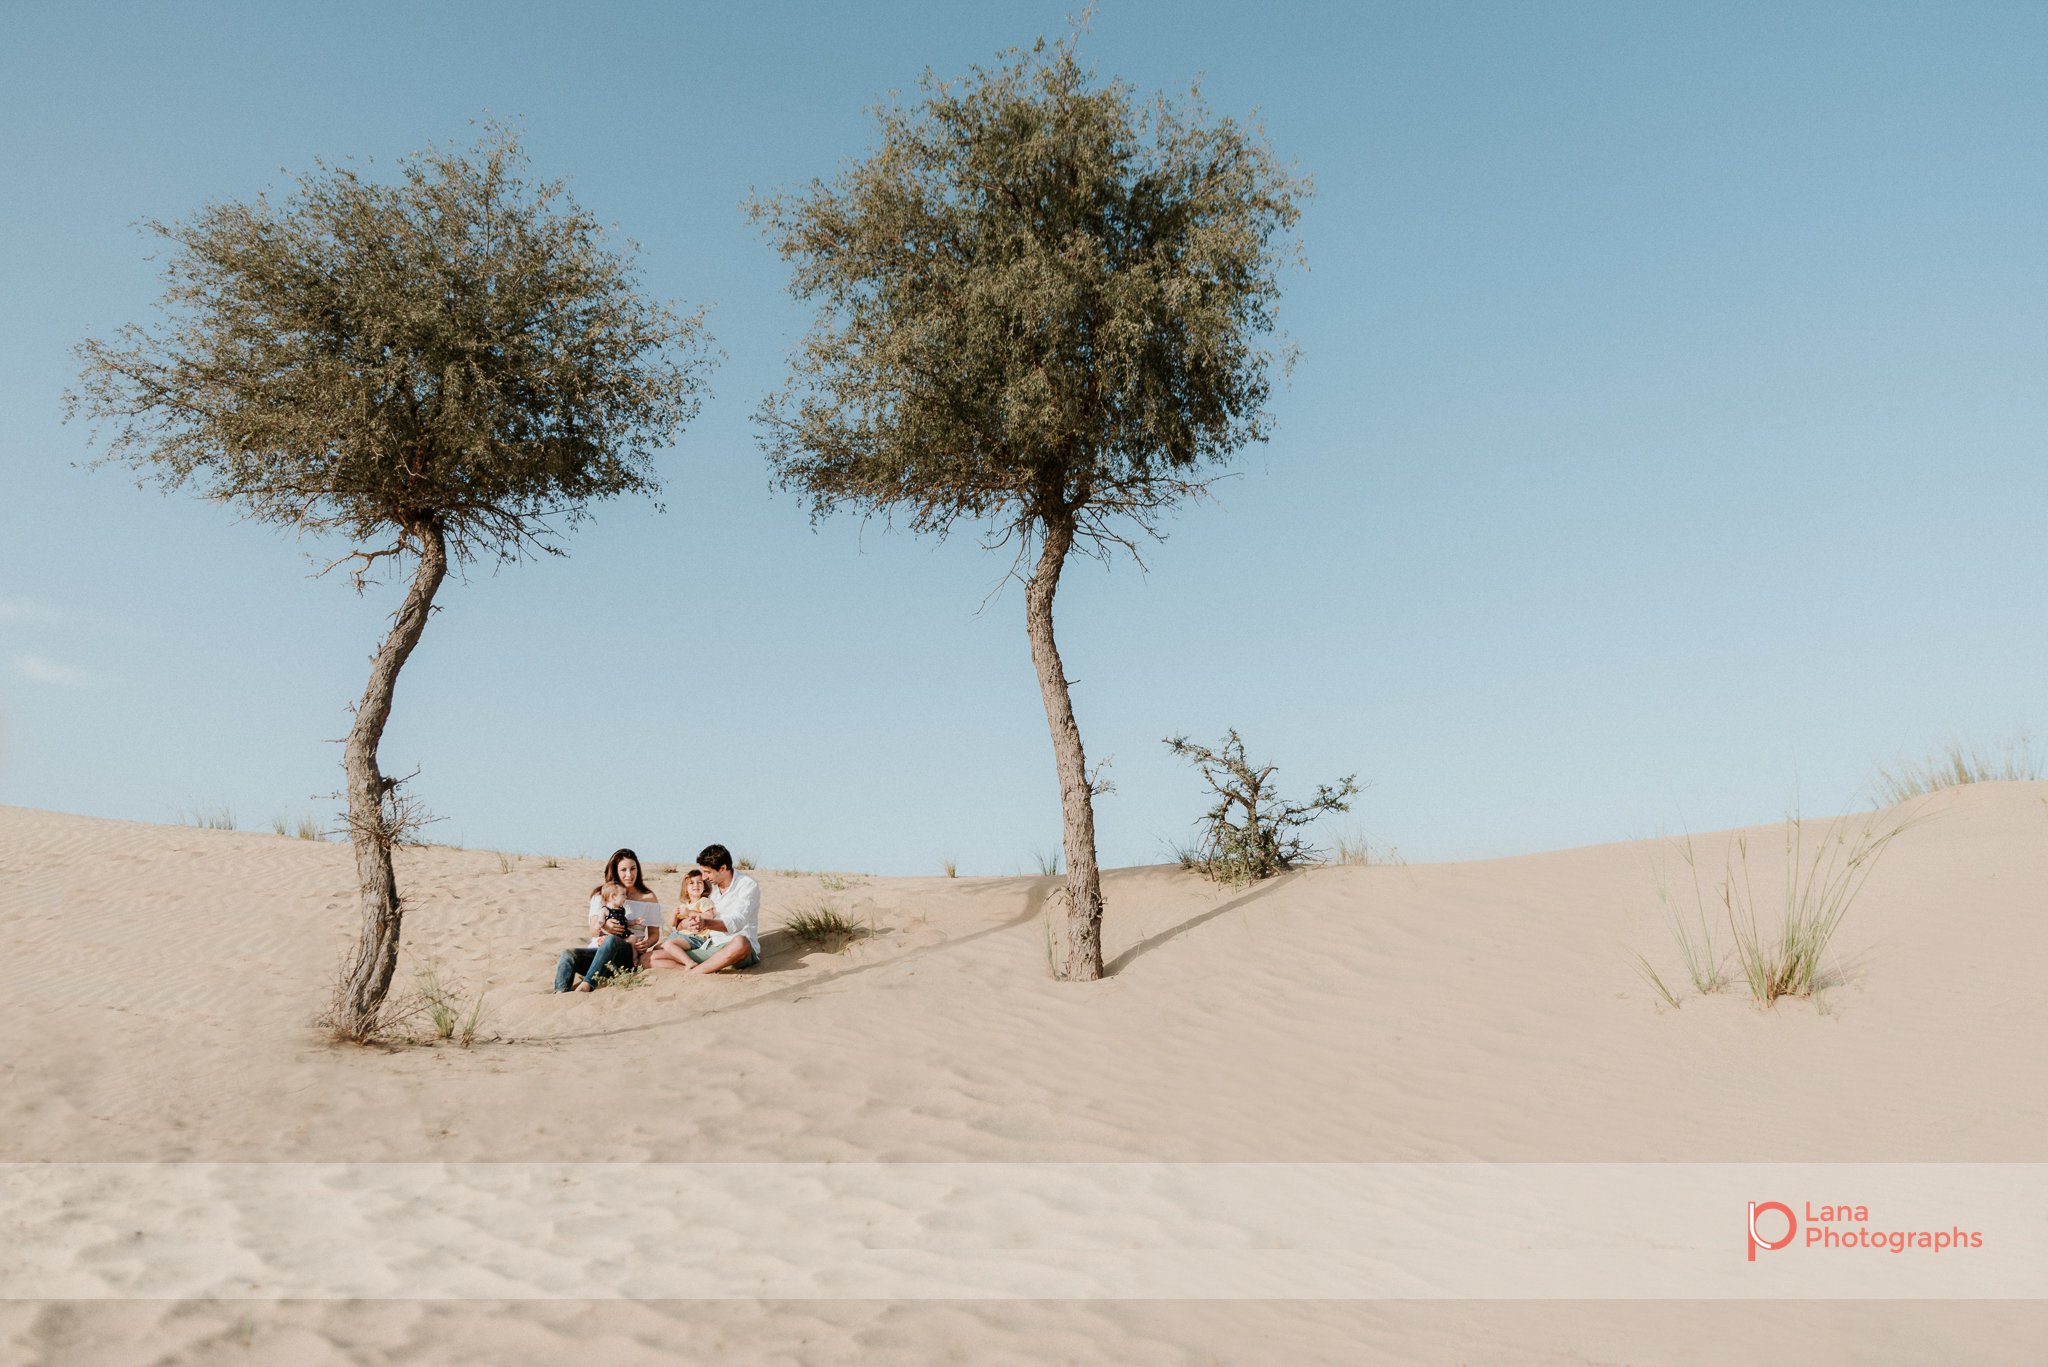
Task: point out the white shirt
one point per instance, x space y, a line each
739 906
646 913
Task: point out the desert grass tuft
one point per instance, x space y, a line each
216 818
1356 849
454 1012
2009 759
443 1000
1649 975
819 920
551 863
1696 940
1049 861
280 825
625 979
309 829
742 863
506 861
1822 879
473 1019
952 869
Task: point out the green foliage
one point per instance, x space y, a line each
1038 304
458 349
1250 833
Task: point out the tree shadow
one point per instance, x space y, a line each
1152 942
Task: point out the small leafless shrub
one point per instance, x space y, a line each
1250 833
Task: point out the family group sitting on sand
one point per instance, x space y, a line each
715 925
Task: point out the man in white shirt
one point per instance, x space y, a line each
731 939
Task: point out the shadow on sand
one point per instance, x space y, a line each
1152 942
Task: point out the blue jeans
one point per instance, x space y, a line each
593 964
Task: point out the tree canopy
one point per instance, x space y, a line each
1040 301
460 346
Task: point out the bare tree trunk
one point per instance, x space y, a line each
371 826
1079 954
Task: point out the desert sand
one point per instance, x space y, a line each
1482 1012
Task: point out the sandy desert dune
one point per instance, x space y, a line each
1481 1012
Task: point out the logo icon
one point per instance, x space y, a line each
1757 1240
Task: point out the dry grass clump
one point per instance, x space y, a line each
625 979
454 1012
952 869
1695 941
1820 881
2009 759
1818 889
1356 849
219 817
819 921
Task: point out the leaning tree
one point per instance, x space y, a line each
452 366
1039 308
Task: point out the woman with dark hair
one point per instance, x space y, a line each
625 918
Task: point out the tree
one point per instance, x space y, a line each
1038 308
1267 840
450 367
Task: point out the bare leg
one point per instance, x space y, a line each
732 952
668 954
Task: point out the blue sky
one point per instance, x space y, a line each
1668 433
